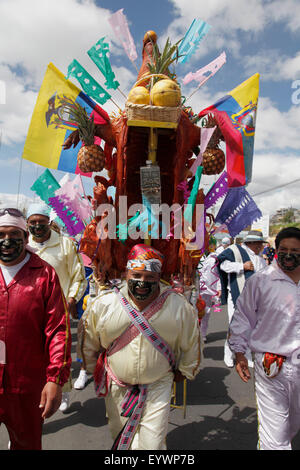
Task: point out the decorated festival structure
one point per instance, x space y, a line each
155 151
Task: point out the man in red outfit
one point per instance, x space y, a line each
35 340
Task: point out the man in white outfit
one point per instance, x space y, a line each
267 319
149 336
236 265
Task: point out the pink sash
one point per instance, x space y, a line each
103 374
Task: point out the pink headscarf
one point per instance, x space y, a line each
8 220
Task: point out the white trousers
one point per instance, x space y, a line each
278 405
229 356
204 320
152 429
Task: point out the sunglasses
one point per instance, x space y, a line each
11 211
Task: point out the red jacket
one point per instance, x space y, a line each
35 327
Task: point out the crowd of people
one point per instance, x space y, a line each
140 335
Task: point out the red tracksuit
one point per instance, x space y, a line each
34 325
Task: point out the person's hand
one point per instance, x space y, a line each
178 377
50 399
242 367
72 308
248 266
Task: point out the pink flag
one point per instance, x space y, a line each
119 24
202 75
200 233
206 133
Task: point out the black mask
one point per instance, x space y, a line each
151 287
284 258
17 244
39 230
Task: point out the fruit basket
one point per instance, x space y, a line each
151 112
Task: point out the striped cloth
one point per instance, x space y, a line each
135 398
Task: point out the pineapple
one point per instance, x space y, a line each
162 62
213 158
91 156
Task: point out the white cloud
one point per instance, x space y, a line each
16 112
276 129
36 32
13 200
271 170
287 12
273 65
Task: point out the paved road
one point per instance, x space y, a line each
221 410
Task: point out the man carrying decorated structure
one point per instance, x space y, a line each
147 336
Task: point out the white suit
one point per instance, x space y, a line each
238 267
138 362
267 319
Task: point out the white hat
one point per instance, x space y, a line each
38 209
226 241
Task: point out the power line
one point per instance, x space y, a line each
276 187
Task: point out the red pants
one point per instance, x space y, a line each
22 417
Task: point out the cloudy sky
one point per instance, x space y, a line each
257 36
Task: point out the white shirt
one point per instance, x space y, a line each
267 314
209 282
9 272
235 267
61 253
139 362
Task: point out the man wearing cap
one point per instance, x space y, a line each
147 335
267 319
61 253
35 344
236 264
225 243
